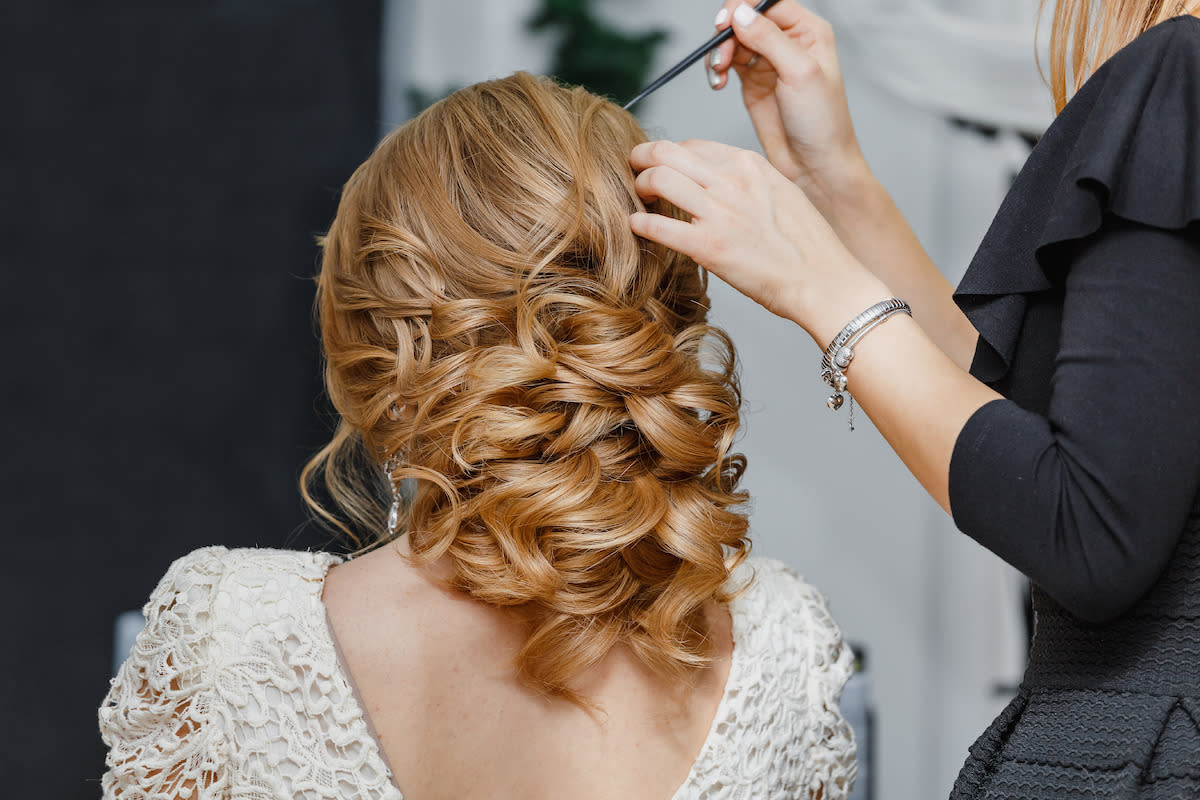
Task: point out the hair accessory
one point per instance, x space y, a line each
389 467
840 351
692 57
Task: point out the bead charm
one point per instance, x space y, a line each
840 351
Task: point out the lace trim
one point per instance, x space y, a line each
236 688
158 717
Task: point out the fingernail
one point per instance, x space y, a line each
743 15
722 17
714 57
714 80
713 77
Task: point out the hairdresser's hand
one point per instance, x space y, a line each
756 230
794 94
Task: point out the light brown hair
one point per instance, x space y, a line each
1085 33
547 378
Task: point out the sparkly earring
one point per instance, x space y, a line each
389 467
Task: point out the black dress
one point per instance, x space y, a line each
1086 295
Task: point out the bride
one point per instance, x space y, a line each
552 595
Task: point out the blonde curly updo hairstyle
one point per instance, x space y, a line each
546 377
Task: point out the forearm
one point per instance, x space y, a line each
917 398
1108 474
867 220
1087 498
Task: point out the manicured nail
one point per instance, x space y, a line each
744 15
722 17
713 77
714 57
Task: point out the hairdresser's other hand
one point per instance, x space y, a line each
755 229
794 94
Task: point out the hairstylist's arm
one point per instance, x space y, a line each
797 103
758 232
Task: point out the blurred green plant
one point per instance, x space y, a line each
420 99
590 53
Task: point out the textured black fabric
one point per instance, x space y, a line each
1085 489
1086 294
1104 711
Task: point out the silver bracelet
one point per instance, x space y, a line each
840 352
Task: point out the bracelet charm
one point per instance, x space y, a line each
840 352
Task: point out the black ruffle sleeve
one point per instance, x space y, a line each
1127 144
1088 492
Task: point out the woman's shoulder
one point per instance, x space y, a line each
241 562
1125 144
1178 37
1124 148
784 616
235 663
241 583
1144 91
771 581
789 666
1163 61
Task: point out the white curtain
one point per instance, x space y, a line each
967 59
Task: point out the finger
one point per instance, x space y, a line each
664 183
718 62
673 233
725 14
711 154
712 60
646 154
789 15
718 168
808 29
789 58
745 57
721 57
685 158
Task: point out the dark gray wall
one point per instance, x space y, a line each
165 167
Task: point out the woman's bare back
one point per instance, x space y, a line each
434 669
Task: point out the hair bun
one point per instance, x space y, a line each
570 435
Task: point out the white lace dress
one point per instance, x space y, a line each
235 690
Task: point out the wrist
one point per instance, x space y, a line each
831 177
853 193
840 352
823 311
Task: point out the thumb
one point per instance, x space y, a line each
758 33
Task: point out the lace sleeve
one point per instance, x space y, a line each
157 718
831 662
